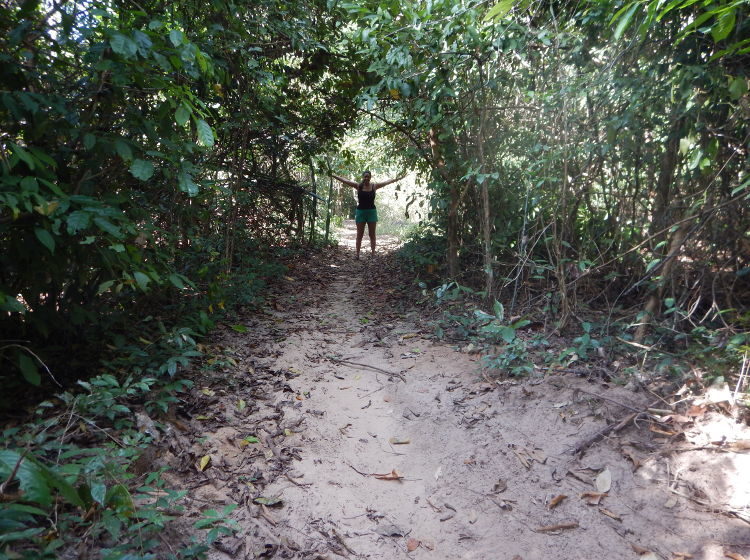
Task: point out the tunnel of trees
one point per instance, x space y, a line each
159 159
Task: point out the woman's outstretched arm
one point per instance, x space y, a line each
345 181
388 182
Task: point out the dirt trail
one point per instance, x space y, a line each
351 392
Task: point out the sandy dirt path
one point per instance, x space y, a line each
374 440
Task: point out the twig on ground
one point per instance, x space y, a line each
381 370
614 427
342 542
610 399
358 471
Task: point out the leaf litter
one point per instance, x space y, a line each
279 375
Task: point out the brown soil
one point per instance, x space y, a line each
379 441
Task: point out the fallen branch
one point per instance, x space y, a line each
610 399
381 370
614 427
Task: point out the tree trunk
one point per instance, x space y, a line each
662 198
454 195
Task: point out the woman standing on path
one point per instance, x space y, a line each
366 212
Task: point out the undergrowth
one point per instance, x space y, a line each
69 481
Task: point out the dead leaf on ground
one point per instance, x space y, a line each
639 549
393 475
739 445
538 456
412 545
696 411
274 501
557 527
681 556
593 498
659 431
554 502
204 463
399 441
628 454
610 514
500 486
603 481
734 555
523 458
472 516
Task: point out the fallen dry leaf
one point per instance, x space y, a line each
399 441
500 486
522 457
630 455
538 456
393 475
681 556
603 481
205 462
610 514
696 411
412 545
593 498
739 445
639 549
734 555
554 502
557 527
662 432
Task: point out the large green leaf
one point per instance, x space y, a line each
77 221
109 227
723 26
624 21
177 37
499 10
186 183
142 280
45 238
205 134
142 169
28 368
124 150
31 476
181 115
123 45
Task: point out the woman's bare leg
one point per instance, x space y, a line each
360 235
371 231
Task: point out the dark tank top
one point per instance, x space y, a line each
365 199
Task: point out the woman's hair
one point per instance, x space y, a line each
362 182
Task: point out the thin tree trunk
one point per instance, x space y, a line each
452 226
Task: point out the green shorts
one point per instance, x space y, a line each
365 216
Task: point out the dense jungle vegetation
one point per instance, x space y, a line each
586 165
